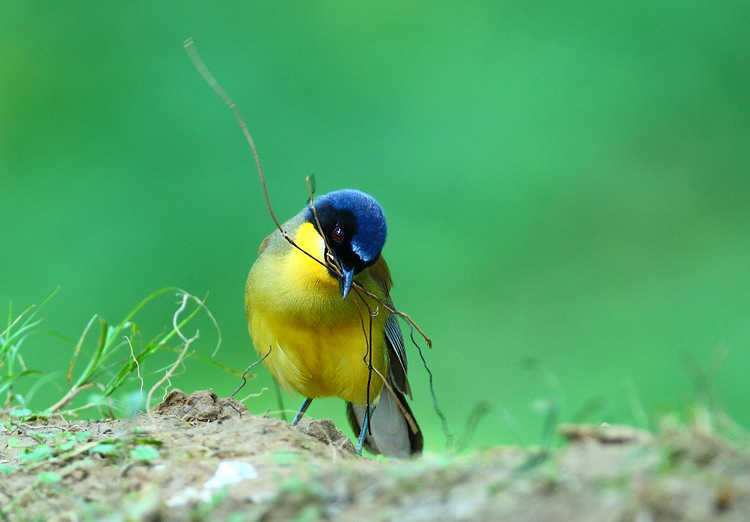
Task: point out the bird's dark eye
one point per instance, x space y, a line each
338 234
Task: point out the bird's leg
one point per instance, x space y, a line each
301 411
363 431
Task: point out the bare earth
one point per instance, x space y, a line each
164 467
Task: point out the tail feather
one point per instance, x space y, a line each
390 433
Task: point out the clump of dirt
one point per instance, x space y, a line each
199 456
202 406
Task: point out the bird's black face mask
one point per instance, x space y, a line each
340 229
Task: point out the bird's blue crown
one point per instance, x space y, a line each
369 220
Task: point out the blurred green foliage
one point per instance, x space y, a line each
566 183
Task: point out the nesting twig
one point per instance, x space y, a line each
367 358
211 80
435 404
203 70
329 261
249 367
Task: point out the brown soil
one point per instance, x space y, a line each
312 472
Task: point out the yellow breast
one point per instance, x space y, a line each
319 343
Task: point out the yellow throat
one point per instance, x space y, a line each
319 343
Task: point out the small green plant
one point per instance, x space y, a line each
54 455
117 374
12 365
145 453
108 369
58 447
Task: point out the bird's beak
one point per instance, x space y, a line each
345 283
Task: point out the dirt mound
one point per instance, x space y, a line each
201 406
199 456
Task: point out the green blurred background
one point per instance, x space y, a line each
566 183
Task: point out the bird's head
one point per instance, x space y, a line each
354 228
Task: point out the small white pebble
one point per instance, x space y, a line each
231 472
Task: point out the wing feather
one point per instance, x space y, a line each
382 275
397 355
395 341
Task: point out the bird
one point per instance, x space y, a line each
317 336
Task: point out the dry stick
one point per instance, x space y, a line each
435 404
365 359
203 70
211 80
244 380
72 393
250 366
331 261
404 315
409 418
371 316
168 374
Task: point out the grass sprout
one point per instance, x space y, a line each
107 367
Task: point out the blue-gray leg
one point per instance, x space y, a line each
363 431
301 411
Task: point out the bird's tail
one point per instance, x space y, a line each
390 433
